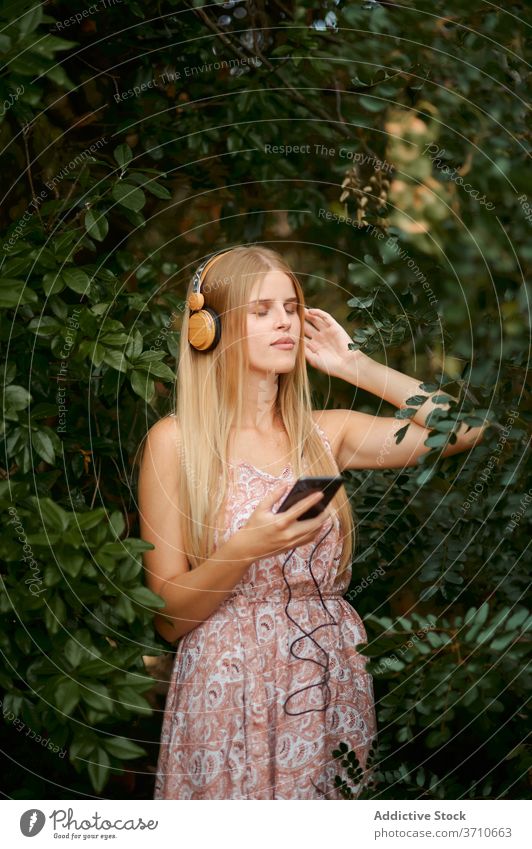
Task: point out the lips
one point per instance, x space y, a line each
285 342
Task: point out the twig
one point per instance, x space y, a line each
100 71
68 195
316 110
30 178
338 103
97 486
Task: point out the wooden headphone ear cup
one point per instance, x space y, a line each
204 329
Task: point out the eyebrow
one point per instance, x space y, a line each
270 300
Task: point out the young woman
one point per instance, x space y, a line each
266 680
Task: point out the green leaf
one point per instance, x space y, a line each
115 359
115 339
67 696
45 325
30 20
438 736
72 562
42 411
82 746
149 357
478 621
96 225
95 667
158 369
158 191
15 292
136 546
52 283
134 345
73 652
77 280
129 196
516 619
501 642
144 596
123 749
142 384
59 76
54 515
445 425
97 353
123 154
43 445
401 433
436 440
116 549
453 578
470 695
149 184
99 769
416 400
16 397
372 104
90 518
48 45
425 475
482 614
434 639
404 734
361 303
55 614
133 701
124 608
405 413
117 523
97 696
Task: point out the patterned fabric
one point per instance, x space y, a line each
225 732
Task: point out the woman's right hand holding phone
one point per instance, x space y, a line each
266 533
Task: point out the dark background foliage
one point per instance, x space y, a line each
135 141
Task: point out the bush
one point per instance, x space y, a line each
410 208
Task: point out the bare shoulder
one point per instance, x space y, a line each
160 445
164 432
332 423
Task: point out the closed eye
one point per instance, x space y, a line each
291 310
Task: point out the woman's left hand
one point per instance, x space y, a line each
326 343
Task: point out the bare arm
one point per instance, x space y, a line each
191 595
365 441
368 441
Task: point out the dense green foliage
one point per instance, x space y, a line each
382 149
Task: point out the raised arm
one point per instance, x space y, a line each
365 441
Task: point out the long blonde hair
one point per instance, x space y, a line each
209 403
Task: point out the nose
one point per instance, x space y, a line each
282 319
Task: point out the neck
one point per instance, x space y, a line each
259 407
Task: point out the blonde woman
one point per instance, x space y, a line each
266 679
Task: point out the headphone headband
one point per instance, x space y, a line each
204 267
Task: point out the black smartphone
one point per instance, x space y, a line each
305 486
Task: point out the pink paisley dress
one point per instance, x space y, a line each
253 712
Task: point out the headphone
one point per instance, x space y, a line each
204 324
